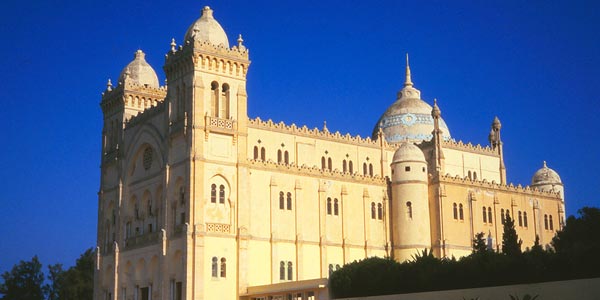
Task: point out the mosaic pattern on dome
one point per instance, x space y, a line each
408 120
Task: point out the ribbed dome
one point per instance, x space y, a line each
408 152
544 176
207 29
409 118
139 71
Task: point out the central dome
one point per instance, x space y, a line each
409 118
207 29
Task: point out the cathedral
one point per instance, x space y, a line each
199 201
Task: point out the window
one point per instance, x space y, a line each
407 169
214 86
290 270
221 194
490 215
182 195
281 200
373 210
409 209
551 223
364 169
279 157
460 212
329 164
223 267
213 193
470 176
371 170
336 209
502 216
350 167
455 211
323 163
255 152
520 219
379 211
178 291
474 175
286 157
282 270
329 206
263 155
289 201
546 222
215 267
224 105
344 166
525 218
484 215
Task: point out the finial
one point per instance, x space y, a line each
325 126
207 12
545 164
173 45
109 85
435 111
496 123
240 40
139 54
408 81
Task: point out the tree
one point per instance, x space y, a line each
511 244
23 282
78 281
55 276
479 245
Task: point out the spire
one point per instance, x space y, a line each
240 40
173 45
545 166
408 81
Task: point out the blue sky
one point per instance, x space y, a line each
534 64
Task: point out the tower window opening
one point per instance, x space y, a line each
329 206
350 167
336 209
379 211
520 219
460 212
286 158
525 219
502 216
454 211
221 194
323 165
213 193
373 212
371 170
289 201
290 270
344 166
407 169
484 215
469 175
225 103
279 157
329 164
409 209
365 169
214 101
255 153
551 223
490 215
223 267
215 267
282 270
474 175
281 200
263 155
546 222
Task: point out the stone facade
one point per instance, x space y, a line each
197 201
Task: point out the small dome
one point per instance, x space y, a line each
408 152
545 176
409 118
207 29
139 71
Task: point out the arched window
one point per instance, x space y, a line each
290 270
323 163
329 206
409 209
502 217
330 269
344 166
286 157
282 270
336 209
470 176
373 210
289 201
224 106
551 223
350 167
474 175
525 218
221 194
484 215
213 193
520 219
329 164
263 155
454 211
379 211
215 267
182 195
371 170
546 222
279 157
461 214
255 152
214 101
223 267
490 215
365 169
281 200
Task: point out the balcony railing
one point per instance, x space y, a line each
142 240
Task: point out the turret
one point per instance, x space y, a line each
496 143
410 205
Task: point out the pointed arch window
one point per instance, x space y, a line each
224 105
336 209
329 164
490 215
286 157
409 209
279 157
525 219
454 211
484 215
379 211
551 223
282 270
344 166
214 99
520 219
255 152
350 167
461 214
221 194
502 216
365 169
289 201
281 200
371 170
373 210
546 222
329 206
213 193
290 271
263 155
323 165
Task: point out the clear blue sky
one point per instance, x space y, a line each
534 64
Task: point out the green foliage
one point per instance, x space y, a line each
511 244
479 245
23 282
78 281
525 297
576 256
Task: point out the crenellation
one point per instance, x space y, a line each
504 187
